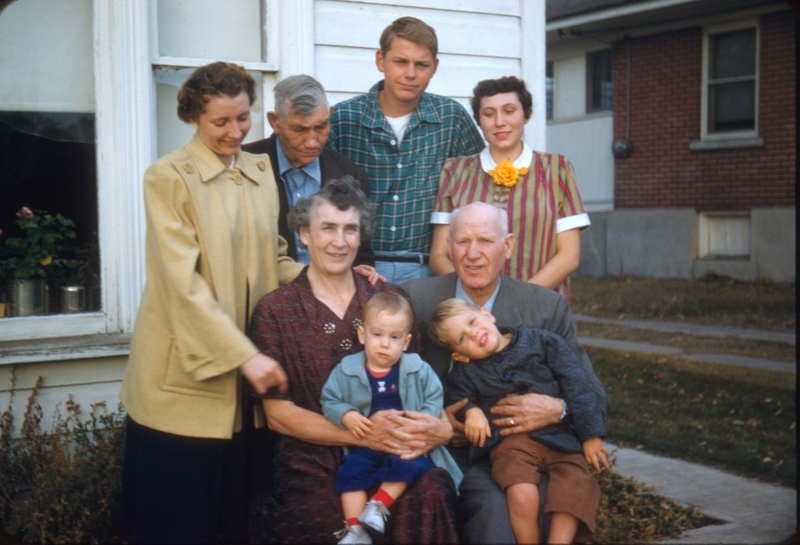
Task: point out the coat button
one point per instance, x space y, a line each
261 165
238 179
192 356
188 168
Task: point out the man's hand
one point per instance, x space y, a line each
594 451
263 373
476 427
459 439
526 413
357 423
371 273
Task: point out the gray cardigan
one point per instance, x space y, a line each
348 388
535 361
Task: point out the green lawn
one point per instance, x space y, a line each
738 419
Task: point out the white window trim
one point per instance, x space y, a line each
126 146
707 32
123 101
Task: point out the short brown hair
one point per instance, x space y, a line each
391 302
211 80
446 310
506 84
412 29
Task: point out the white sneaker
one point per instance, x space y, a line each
354 535
374 516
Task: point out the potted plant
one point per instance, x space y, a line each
72 273
28 259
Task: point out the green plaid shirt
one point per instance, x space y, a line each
404 180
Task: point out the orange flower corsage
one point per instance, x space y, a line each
506 174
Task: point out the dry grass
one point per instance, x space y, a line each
718 301
736 418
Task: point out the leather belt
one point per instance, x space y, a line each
421 259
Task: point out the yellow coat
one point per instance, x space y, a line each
212 251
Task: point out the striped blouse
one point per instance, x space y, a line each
538 206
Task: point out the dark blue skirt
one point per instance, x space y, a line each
178 489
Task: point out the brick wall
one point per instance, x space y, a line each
666 76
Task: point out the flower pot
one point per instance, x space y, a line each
73 299
28 297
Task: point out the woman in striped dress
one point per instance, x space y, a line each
538 190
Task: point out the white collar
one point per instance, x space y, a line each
524 160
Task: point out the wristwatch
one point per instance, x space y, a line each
565 412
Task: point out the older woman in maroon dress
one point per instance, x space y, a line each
309 326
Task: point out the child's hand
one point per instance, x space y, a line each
476 427
594 451
357 423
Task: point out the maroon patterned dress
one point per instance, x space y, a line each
309 339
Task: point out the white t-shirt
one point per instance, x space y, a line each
399 125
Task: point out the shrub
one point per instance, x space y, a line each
62 486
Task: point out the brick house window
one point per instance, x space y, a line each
724 235
548 88
730 87
600 81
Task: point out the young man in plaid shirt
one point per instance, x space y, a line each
401 136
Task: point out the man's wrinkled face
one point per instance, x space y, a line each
302 138
478 248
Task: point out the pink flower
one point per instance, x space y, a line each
25 210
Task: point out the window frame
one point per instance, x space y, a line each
712 30
126 133
590 109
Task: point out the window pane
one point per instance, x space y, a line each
601 80
210 29
47 142
733 54
548 85
46 58
172 132
732 106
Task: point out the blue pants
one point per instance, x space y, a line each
364 468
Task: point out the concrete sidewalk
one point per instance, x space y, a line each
757 363
694 329
752 512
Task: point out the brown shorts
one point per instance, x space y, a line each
572 488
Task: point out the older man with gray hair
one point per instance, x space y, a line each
479 245
300 162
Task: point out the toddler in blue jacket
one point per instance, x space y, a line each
382 377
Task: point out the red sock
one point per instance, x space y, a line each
353 522
382 496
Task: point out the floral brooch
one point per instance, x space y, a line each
506 174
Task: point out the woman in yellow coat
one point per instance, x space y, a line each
212 252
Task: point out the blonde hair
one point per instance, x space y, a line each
446 310
412 29
390 302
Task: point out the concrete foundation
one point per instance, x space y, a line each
662 243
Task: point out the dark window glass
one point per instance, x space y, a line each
732 81
601 80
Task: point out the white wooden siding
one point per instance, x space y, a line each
477 40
